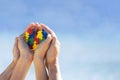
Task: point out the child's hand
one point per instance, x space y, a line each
16 52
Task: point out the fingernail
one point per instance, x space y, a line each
49 37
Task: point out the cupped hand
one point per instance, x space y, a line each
42 48
54 49
16 52
25 51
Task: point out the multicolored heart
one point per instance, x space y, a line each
34 37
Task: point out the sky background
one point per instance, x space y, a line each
89 32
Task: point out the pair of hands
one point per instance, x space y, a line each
44 57
47 50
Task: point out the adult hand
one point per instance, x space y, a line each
16 52
39 57
52 56
25 51
54 49
25 60
43 47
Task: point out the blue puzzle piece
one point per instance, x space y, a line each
32 35
45 34
29 44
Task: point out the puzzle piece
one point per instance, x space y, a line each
31 41
34 38
35 45
42 40
32 35
44 33
37 40
39 34
30 31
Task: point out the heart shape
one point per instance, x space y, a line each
34 37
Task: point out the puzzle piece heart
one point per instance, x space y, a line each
34 37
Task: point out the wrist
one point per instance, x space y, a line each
38 60
27 57
53 67
15 61
37 56
52 61
25 61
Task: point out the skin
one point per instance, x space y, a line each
39 57
52 56
45 58
9 70
25 60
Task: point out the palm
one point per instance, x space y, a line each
23 47
53 51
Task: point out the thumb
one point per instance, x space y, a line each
15 48
21 42
44 45
16 42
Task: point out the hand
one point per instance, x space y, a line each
53 51
52 63
16 52
41 50
25 60
25 51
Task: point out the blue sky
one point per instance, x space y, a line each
89 32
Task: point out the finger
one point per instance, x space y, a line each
54 37
22 45
31 26
48 40
38 27
49 30
16 49
22 36
44 45
21 40
55 42
16 41
37 23
15 44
